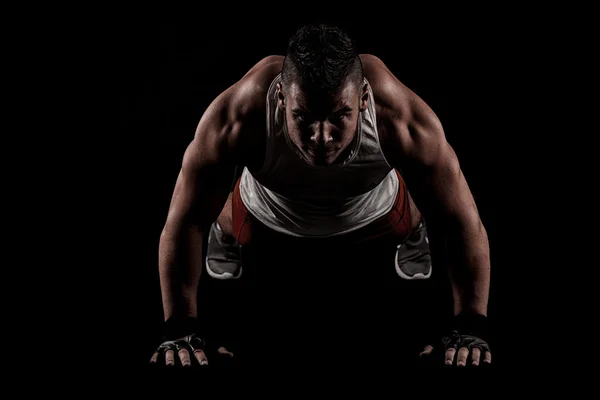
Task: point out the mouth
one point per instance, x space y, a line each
320 153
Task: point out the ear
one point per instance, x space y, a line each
364 97
280 96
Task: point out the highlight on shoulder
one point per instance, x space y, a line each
260 76
390 94
249 93
235 119
394 99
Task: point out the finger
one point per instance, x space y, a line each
184 356
426 351
154 357
450 356
223 351
461 358
475 355
170 357
488 357
201 357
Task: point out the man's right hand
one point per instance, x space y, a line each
185 348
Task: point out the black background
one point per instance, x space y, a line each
169 73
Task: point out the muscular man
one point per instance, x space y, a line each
336 154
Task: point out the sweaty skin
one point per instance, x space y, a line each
232 131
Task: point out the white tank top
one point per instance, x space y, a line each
290 196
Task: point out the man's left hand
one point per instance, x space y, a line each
459 347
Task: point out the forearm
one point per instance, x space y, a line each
180 266
469 267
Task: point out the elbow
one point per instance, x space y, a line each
466 225
177 228
472 225
483 231
169 234
165 243
164 234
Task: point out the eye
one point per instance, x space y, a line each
298 116
338 118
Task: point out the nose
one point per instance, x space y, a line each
321 134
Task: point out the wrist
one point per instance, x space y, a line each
176 327
472 323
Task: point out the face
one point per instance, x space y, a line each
321 125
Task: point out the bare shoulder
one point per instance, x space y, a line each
392 97
405 121
247 96
269 64
235 120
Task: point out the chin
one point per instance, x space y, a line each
320 160
320 163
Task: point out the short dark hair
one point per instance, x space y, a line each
321 57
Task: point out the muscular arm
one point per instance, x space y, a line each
434 177
200 193
229 134
415 143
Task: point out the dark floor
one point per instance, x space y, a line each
323 307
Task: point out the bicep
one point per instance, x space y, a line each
444 187
200 192
432 171
219 145
205 177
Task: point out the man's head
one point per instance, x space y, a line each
322 92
